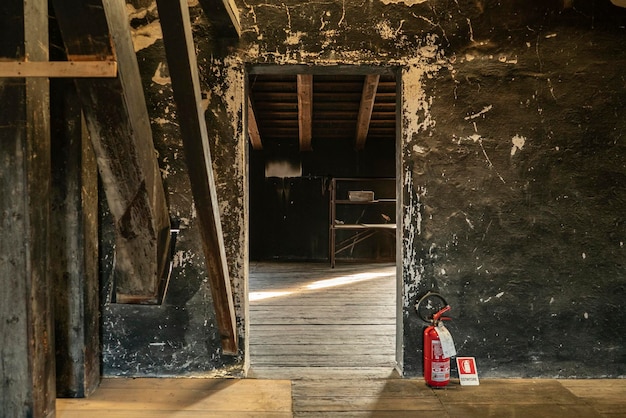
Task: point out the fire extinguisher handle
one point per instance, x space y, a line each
437 316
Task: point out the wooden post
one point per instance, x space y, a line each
74 253
181 59
26 316
119 128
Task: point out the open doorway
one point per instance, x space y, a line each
322 290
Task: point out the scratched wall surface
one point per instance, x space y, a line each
513 165
520 182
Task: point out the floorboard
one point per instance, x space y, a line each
182 398
333 369
310 319
346 396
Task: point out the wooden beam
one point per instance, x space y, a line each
253 128
183 68
305 110
27 366
74 257
370 85
223 16
54 69
120 132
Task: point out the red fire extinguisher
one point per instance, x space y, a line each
436 363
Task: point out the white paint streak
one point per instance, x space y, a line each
343 13
499 295
406 2
166 171
182 258
474 138
518 143
479 114
503 59
418 149
294 38
385 30
412 220
417 109
161 75
471 30
477 138
146 36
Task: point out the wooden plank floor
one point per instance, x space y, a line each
310 321
326 339
184 398
343 398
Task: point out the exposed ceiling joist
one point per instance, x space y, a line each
370 85
305 110
58 69
253 128
336 101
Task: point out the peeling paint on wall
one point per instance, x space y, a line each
146 35
415 106
479 114
455 217
518 143
412 224
385 30
162 75
406 2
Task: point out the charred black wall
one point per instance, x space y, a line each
512 168
179 337
521 188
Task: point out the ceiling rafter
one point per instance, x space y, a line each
370 86
305 110
335 102
253 128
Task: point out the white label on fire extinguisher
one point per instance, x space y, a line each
440 364
447 344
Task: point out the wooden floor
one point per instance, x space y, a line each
310 321
323 346
381 398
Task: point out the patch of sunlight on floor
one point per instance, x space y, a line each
324 283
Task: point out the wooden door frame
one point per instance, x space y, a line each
399 172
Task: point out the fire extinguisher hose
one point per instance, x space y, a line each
430 304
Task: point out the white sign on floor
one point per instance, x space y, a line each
468 375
